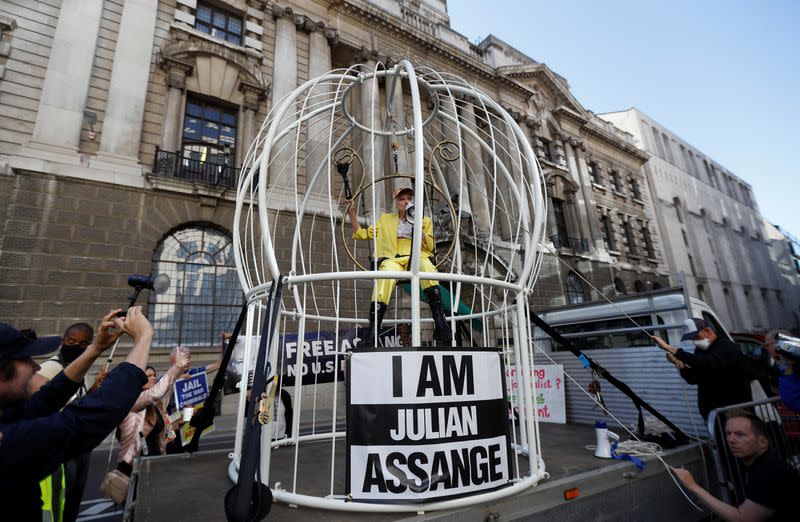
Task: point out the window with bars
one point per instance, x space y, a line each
209 132
218 23
204 297
574 289
636 190
615 179
630 237
561 220
608 232
547 149
647 240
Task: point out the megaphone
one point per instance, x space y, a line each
603 436
410 212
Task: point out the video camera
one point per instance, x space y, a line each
155 283
788 346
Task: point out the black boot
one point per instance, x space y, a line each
369 338
441 330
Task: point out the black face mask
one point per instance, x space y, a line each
70 352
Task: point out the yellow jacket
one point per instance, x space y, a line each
386 244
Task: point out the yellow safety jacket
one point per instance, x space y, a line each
53 498
386 244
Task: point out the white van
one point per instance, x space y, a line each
603 325
602 332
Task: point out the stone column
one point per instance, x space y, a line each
581 210
399 117
122 126
450 169
284 79
590 205
253 94
479 201
66 83
574 223
319 63
504 219
177 71
372 145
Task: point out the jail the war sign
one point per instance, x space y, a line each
425 425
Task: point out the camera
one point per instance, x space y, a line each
155 283
788 346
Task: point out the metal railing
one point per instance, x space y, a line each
574 243
173 165
783 430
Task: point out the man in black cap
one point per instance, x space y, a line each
717 366
36 434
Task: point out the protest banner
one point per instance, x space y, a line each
426 425
191 392
319 357
547 390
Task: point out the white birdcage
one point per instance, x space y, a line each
475 175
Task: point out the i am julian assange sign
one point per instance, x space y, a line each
426 425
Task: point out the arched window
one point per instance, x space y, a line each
657 285
574 289
619 285
204 296
638 285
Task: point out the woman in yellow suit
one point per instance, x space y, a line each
393 244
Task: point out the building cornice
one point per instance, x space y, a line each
601 134
377 18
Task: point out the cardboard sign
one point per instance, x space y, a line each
426 425
191 391
547 389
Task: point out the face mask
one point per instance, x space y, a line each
70 352
703 344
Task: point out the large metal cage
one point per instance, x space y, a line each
476 177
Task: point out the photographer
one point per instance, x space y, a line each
786 352
148 414
717 366
37 436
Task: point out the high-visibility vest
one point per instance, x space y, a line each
53 497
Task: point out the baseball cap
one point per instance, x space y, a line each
690 328
401 191
23 344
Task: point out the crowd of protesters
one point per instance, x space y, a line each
51 418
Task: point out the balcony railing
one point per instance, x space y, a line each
173 165
574 243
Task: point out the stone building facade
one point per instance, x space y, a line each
716 241
125 123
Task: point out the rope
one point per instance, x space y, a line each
643 445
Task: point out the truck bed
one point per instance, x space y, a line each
192 487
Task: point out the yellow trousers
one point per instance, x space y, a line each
384 287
